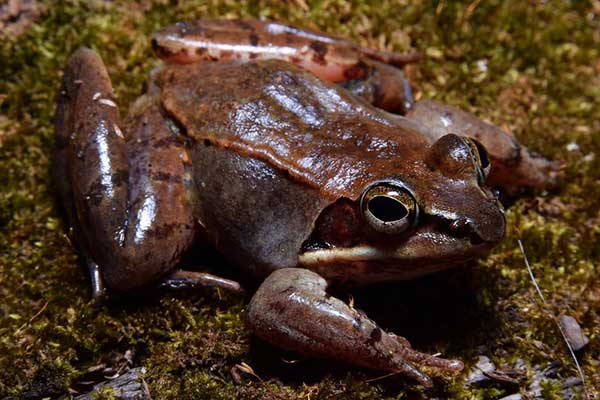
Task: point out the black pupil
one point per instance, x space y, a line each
483 155
387 209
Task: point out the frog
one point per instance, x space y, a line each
303 159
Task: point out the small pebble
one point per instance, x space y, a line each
477 375
516 396
573 332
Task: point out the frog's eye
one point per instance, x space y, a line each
481 157
388 208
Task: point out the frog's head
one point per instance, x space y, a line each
432 213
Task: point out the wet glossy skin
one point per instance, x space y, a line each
267 157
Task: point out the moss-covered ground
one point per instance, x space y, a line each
532 67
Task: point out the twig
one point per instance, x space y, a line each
562 332
383 376
37 314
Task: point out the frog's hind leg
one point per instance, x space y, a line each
127 184
368 73
513 166
333 59
292 309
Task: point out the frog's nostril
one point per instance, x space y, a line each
461 225
464 227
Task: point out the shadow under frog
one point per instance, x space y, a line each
272 145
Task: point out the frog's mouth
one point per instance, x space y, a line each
427 249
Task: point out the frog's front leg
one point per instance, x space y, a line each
513 166
292 309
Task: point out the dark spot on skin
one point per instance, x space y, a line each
253 39
166 177
207 142
164 52
164 231
120 177
201 51
61 142
375 337
320 50
95 193
154 44
244 25
288 290
278 307
168 141
358 71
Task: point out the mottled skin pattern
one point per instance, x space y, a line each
261 140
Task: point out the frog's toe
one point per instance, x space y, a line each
531 171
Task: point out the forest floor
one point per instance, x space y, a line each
531 67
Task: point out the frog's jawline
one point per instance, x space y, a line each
368 264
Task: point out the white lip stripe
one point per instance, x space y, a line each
360 253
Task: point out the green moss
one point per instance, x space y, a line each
542 82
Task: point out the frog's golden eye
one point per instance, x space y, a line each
388 208
482 160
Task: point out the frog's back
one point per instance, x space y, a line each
273 111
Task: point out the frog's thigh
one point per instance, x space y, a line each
513 166
292 309
128 185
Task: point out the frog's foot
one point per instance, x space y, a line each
291 309
368 73
514 167
180 279
333 59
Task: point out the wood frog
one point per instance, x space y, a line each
302 158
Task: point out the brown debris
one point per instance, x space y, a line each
16 16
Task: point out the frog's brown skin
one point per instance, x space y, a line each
277 168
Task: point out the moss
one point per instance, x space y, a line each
542 82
